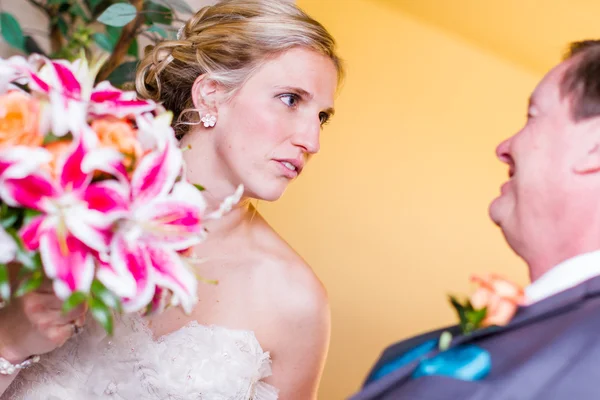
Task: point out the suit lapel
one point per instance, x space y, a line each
397 350
552 306
401 374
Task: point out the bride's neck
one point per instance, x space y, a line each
231 222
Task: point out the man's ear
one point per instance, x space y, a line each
205 95
588 146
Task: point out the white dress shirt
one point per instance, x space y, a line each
565 275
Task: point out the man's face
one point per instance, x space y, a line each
546 161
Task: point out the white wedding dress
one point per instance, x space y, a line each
196 363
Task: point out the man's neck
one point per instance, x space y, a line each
540 265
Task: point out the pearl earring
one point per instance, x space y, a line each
209 120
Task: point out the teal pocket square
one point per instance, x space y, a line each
467 363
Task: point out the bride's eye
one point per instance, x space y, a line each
290 99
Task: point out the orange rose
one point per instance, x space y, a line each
120 135
500 296
57 149
19 120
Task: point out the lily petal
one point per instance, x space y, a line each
8 247
11 70
66 82
156 174
108 197
106 160
108 100
90 227
67 261
30 233
131 257
72 176
29 192
174 224
19 161
172 273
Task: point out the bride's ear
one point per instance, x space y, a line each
205 95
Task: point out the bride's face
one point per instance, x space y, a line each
268 130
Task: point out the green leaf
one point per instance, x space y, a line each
123 73
106 296
75 299
30 214
160 31
461 312
30 284
460 309
119 14
114 33
4 283
133 48
57 2
199 187
62 26
102 314
103 41
78 11
8 216
92 4
11 31
31 46
50 138
177 5
156 13
475 317
30 261
9 220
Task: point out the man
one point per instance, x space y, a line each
549 213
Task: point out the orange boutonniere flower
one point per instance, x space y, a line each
499 297
494 302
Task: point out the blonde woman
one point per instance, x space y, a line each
251 84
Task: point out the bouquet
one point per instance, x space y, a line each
93 192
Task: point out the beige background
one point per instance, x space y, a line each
392 214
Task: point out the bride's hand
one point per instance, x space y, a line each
35 324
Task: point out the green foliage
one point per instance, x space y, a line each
99 26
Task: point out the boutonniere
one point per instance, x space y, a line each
493 303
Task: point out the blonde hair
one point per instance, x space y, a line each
227 42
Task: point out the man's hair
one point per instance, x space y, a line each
581 81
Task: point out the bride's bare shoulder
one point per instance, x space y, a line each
283 275
291 317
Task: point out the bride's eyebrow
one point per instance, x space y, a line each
297 90
306 94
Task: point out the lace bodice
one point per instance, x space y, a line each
196 363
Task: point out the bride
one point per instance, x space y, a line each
251 84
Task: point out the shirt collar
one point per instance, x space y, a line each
565 275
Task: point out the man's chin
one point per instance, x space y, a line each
496 212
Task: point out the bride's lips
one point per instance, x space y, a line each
291 167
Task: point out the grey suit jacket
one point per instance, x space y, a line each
549 351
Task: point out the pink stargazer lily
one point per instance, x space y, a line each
12 69
165 218
75 220
20 161
73 97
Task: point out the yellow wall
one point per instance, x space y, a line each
392 215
